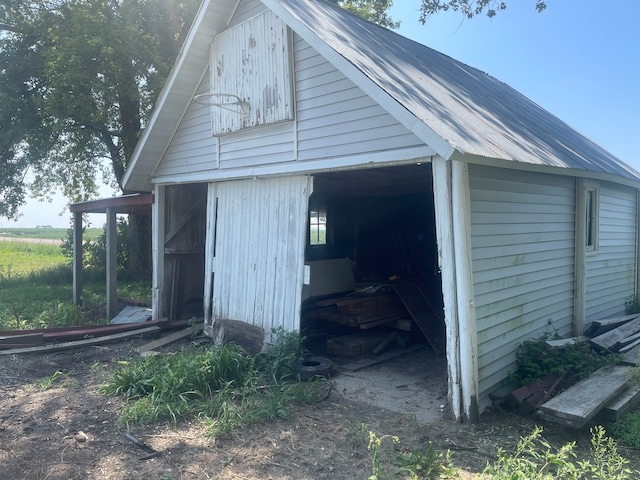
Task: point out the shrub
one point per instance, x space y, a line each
536 360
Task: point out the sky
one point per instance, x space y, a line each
579 59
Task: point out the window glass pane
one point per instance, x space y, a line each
317 227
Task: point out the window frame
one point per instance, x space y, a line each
592 217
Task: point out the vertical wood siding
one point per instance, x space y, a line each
253 61
260 233
611 270
522 236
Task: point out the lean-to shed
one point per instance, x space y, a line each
291 134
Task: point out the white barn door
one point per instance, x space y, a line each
256 235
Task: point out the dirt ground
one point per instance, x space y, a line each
60 427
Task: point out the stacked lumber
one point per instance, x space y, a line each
605 394
620 339
577 405
363 311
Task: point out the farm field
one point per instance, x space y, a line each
90 234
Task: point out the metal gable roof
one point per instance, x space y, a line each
475 113
451 106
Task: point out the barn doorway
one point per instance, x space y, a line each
372 278
184 242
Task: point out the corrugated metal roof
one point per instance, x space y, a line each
475 113
452 106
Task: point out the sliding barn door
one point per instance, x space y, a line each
256 235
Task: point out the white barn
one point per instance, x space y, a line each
281 114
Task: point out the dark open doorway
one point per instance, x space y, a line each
371 261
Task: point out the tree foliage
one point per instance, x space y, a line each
373 10
469 8
78 79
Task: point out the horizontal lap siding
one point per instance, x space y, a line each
522 235
611 270
260 239
192 148
336 118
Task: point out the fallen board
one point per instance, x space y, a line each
580 403
607 341
599 327
367 362
622 405
631 356
170 338
54 347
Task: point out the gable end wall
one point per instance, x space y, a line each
334 118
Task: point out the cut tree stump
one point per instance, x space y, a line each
245 335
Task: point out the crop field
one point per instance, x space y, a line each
90 234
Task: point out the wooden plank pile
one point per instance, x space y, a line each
64 338
363 311
606 394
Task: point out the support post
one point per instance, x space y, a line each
441 170
467 331
77 258
157 249
112 263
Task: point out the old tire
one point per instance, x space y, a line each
310 367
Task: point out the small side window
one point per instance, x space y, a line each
317 227
592 211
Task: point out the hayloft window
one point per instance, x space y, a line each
592 205
318 227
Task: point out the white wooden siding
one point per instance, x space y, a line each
334 119
258 231
252 60
611 270
522 236
245 10
192 147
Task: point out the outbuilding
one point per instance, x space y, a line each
292 135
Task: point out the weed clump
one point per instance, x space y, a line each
536 359
224 385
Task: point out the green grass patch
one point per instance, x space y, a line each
90 234
36 289
19 259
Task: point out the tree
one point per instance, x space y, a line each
78 79
373 10
469 8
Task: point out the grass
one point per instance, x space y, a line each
90 234
36 289
19 259
225 386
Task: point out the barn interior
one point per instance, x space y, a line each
373 282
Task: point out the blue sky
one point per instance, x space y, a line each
579 59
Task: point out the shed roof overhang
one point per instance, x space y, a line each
139 203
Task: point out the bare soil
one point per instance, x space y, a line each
68 430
